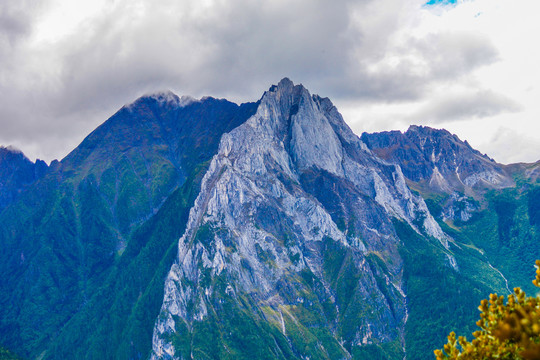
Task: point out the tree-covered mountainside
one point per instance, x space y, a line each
203 229
76 245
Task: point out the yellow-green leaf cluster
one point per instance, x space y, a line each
508 330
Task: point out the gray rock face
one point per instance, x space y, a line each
459 208
294 217
439 160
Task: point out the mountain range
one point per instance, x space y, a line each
202 229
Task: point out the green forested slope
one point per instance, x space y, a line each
83 252
500 241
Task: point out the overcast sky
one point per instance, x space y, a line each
469 66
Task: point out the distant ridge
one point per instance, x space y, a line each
439 160
17 173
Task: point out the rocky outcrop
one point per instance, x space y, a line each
439 160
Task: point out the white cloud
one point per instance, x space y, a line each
513 146
464 105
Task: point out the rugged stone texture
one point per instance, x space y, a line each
290 212
439 160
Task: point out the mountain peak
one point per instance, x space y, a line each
285 82
438 158
286 86
11 149
426 130
288 112
164 96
